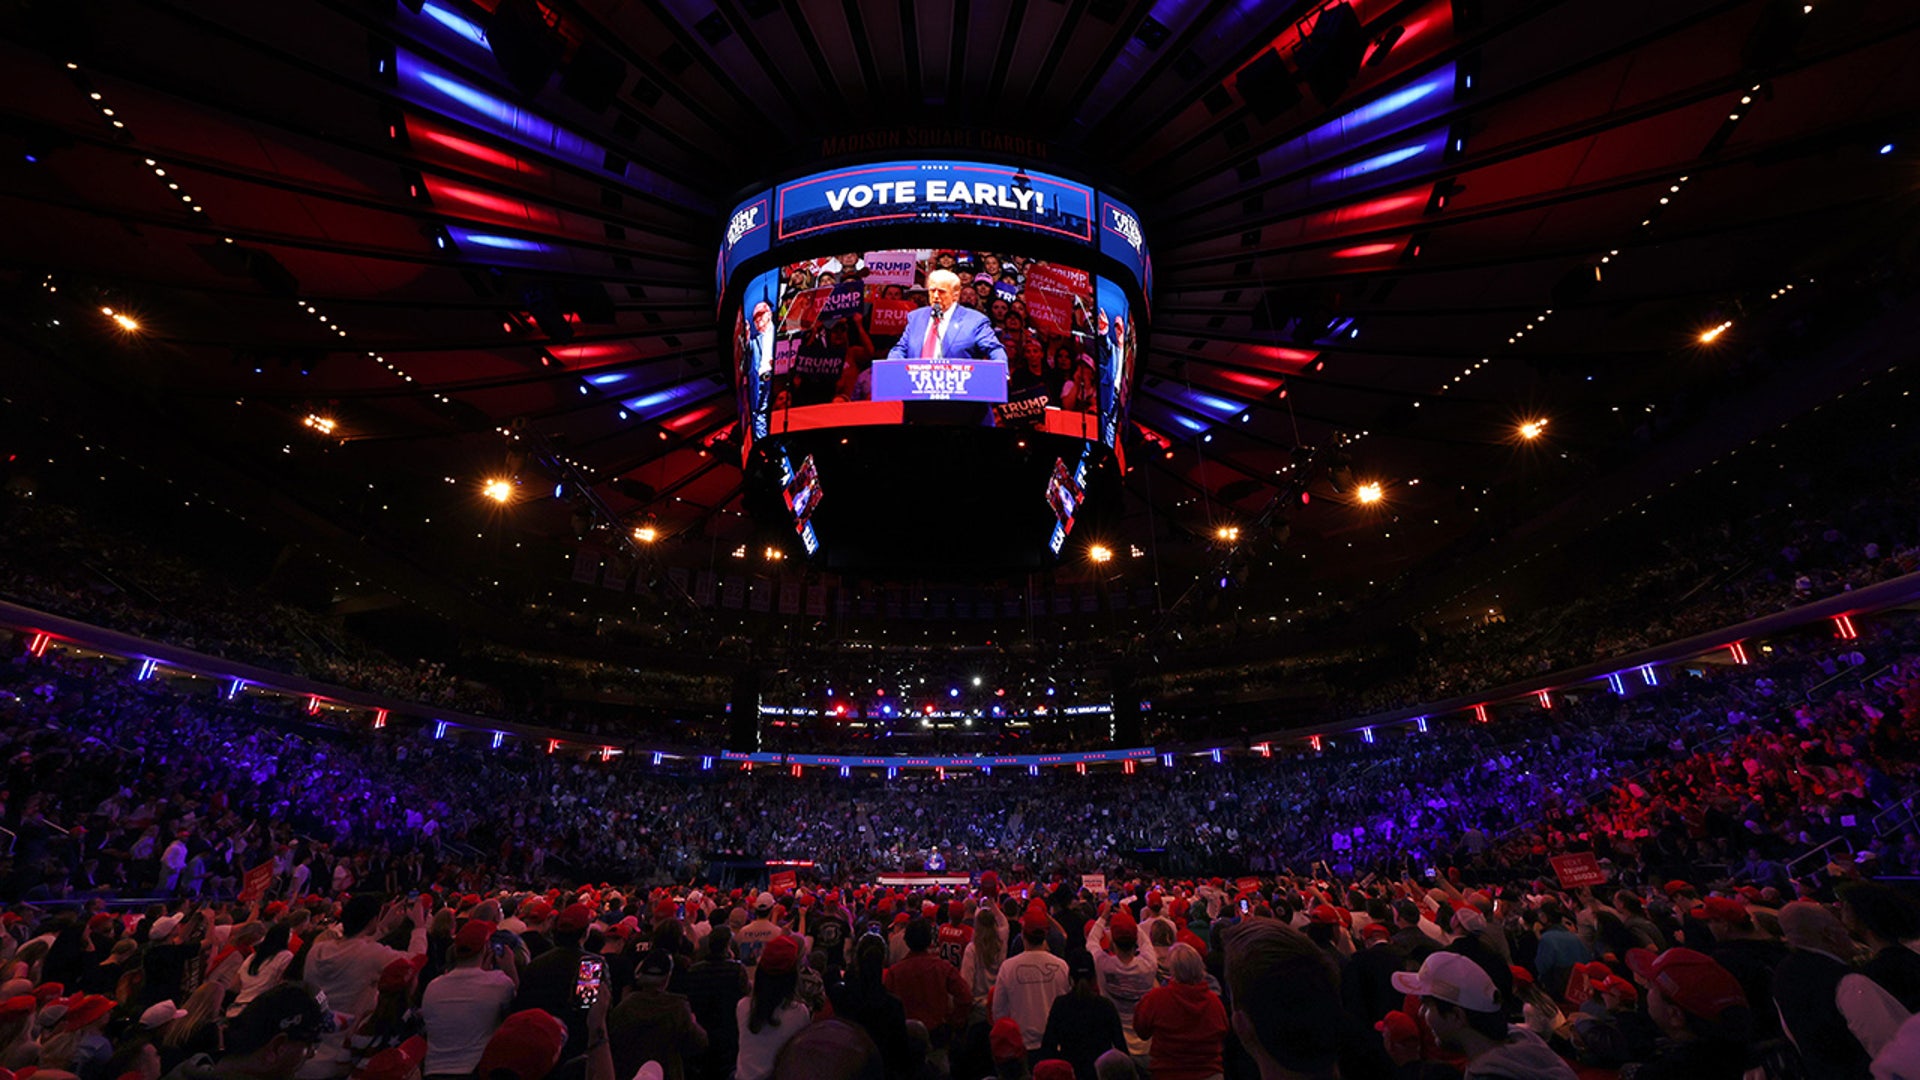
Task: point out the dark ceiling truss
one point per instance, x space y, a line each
398 205
1429 266
196 224
1169 54
365 87
1609 120
362 15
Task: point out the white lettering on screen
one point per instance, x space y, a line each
742 223
900 192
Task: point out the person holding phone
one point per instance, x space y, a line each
555 980
464 1007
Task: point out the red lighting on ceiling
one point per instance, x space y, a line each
467 147
691 417
497 204
1262 383
1376 207
1364 250
576 353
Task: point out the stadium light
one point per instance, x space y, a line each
1532 429
123 320
1099 553
1227 533
1712 334
322 424
499 490
1369 493
646 534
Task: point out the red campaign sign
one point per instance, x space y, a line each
1247 884
890 317
1578 869
257 881
1050 310
784 880
1065 279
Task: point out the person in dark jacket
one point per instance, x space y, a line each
1366 986
651 1024
1885 919
714 986
1701 1012
1082 1024
863 999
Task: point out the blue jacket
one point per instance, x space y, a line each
969 335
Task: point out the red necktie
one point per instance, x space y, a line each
933 335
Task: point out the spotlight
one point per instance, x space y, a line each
124 321
1369 493
1712 334
1098 553
1531 429
322 424
500 491
646 534
1885 148
1227 533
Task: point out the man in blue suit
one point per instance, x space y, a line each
944 329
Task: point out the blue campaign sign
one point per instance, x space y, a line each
939 380
747 232
1121 239
956 191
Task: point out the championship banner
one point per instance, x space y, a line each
789 598
761 597
890 268
1578 869
586 566
934 191
939 380
255 883
733 593
817 601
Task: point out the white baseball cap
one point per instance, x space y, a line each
161 1015
1451 978
764 901
163 927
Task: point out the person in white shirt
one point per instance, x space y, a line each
463 1008
346 971
262 970
1126 975
769 1016
1029 982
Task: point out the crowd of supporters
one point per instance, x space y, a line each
1739 816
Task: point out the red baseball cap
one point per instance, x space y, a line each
1122 926
1035 919
394 1063
527 1045
781 955
576 917
473 936
1691 980
1726 910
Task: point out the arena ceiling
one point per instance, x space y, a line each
1515 210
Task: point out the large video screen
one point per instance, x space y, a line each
819 340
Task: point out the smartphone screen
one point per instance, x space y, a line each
1243 907
587 987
